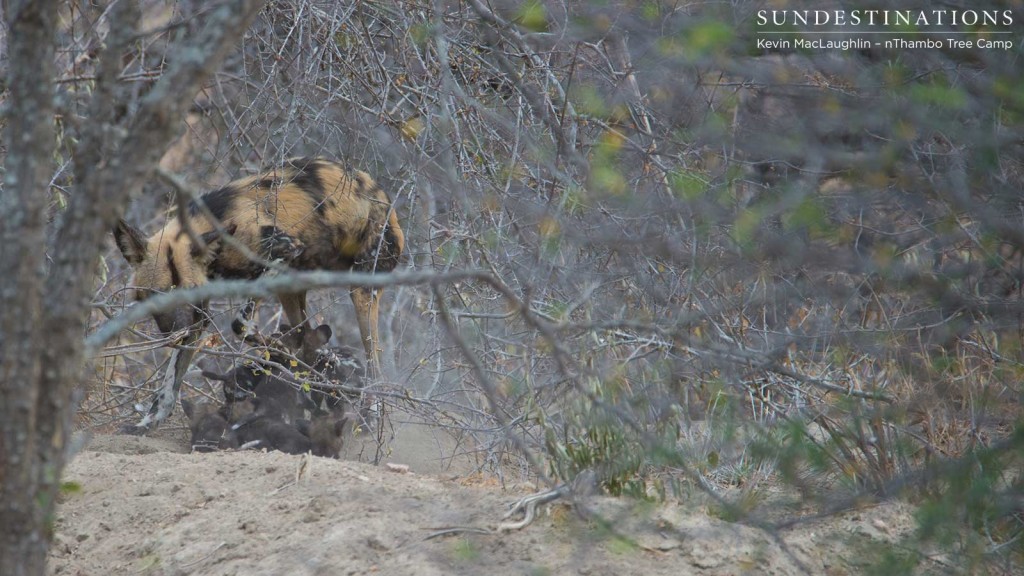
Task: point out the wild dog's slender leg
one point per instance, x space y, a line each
294 308
177 365
367 305
167 396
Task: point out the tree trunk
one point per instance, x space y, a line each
24 527
44 309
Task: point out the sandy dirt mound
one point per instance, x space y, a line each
137 506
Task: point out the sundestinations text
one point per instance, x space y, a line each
885 17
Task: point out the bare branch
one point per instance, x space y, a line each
266 287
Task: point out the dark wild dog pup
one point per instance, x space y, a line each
266 384
326 433
332 365
247 410
240 382
210 430
273 434
312 213
255 422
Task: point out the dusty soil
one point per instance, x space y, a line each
144 506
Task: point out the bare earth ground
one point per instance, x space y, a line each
143 506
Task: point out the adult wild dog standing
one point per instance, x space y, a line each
310 213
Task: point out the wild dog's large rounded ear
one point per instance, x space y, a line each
212 241
324 333
131 241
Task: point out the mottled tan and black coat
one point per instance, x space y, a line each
310 213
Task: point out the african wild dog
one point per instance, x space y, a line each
241 382
331 365
273 435
258 422
265 383
326 433
310 213
209 428
253 407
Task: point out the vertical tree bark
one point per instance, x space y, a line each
29 140
44 296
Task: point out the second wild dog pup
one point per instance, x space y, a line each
250 409
326 433
336 365
313 213
266 384
239 383
273 434
208 427
256 421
